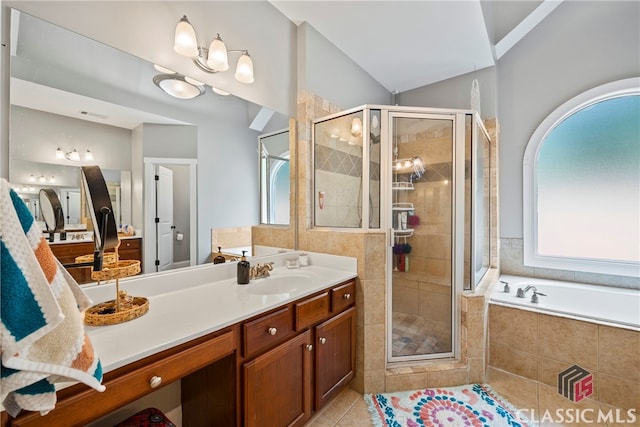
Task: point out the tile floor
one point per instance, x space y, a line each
414 335
348 409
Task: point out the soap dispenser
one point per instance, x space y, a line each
219 259
243 270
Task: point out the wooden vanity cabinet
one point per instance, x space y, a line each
67 252
277 385
283 385
77 405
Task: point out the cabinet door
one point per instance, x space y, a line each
335 355
277 385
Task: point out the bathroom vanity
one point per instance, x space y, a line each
268 353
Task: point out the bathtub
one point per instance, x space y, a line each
603 305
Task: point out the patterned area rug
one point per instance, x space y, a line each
474 405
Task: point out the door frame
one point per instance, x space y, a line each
149 241
457 225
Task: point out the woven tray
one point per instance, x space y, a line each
105 313
117 270
108 258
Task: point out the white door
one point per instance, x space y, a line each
164 218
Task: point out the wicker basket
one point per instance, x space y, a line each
108 258
106 313
117 270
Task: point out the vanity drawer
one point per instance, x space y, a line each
343 296
312 310
86 405
126 244
266 331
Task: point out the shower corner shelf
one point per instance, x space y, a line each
402 207
402 185
407 232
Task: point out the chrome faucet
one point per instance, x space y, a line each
260 270
506 289
521 293
534 298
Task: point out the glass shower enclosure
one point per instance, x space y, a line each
421 176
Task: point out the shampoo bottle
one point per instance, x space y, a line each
219 259
243 270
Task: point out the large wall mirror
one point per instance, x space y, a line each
72 97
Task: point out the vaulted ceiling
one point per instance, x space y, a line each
408 44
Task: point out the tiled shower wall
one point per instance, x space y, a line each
372 374
425 290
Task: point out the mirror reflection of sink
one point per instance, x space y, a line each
277 284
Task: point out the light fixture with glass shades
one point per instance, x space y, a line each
73 155
179 86
213 59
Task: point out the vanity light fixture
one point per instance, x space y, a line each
179 86
74 155
213 59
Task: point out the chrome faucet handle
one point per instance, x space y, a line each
534 297
521 292
506 286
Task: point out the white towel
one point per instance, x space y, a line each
43 339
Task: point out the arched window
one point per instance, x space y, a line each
582 184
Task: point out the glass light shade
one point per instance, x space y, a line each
74 155
220 91
244 69
218 58
356 126
88 155
59 153
185 42
42 179
163 69
52 180
179 88
32 178
193 81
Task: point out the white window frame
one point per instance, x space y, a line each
530 187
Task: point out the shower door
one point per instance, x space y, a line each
421 250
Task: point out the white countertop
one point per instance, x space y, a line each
188 303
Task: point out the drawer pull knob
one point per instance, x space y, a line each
323 340
347 296
155 381
309 347
272 331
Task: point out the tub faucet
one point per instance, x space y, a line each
534 297
506 286
521 293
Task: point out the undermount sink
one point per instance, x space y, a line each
277 284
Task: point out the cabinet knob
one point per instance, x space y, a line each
323 340
155 381
347 296
272 331
309 347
